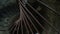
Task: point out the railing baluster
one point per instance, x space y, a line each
25 24
28 24
43 17
31 22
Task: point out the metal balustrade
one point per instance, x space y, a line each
28 23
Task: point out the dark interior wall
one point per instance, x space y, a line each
8 10
5 3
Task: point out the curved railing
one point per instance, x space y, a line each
28 23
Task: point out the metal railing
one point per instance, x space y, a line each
26 20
